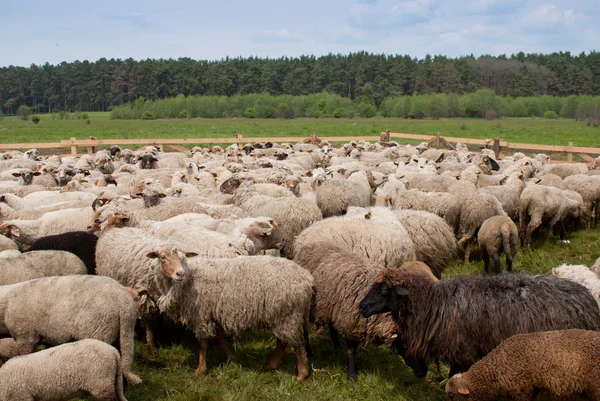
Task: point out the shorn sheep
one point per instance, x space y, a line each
230 296
559 363
56 310
86 367
498 234
478 312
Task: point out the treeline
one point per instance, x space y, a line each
483 103
364 77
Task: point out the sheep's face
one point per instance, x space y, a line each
151 197
147 162
248 148
230 185
265 235
170 262
26 176
457 389
382 298
292 184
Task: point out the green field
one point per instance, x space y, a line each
555 132
382 376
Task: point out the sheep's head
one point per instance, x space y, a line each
292 182
114 151
32 154
264 235
230 185
151 196
10 231
170 261
457 388
148 162
26 176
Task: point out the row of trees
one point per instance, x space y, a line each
483 103
364 77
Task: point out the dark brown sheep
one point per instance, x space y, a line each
462 319
561 363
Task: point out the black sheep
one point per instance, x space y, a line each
79 243
462 319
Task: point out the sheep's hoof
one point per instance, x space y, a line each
199 372
301 378
352 377
132 379
152 352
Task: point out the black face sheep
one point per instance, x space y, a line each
462 319
27 266
79 243
559 363
498 234
342 279
56 310
86 367
236 295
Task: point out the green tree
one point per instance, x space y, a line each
24 112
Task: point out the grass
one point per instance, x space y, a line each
382 376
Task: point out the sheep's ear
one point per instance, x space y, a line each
16 174
463 390
373 197
503 180
125 219
15 231
401 291
387 198
368 216
152 255
139 194
190 254
161 195
37 173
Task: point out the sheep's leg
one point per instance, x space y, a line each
534 223
335 337
150 344
221 341
276 356
126 347
496 263
202 358
307 344
303 368
486 260
351 347
508 262
468 246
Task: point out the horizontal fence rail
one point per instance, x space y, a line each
437 141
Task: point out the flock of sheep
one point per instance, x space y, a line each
93 245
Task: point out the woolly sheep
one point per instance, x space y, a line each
559 363
387 243
55 310
336 195
8 349
484 310
498 234
42 198
86 367
445 205
236 295
589 189
30 265
564 170
7 244
580 274
476 209
509 193
79 243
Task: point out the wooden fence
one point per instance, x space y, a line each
437 141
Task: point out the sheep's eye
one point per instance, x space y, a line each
97 221
384 291
163 258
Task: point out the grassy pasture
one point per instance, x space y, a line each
382 376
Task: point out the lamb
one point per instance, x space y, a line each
477 208
479 312
236 295
27 266
55 310
79 243
582 275
86 367
291 214
498 234
386 243
560 363
342 279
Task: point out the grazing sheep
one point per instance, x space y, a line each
580 274
30 265
342 279
589 189
86 367
498 234
291 214
55 310
79 243
461 319
476 209
236 295
384 242
559 363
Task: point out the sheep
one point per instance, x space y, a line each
26 232
79 243
508 193
498 234
582 275
27 266
86 367
291 214
55 310
550 180
26 176
589 189
559 363
387 243
42 198
461 319
336 195
8 349
7 244
477 208
564 170
230 296
342 279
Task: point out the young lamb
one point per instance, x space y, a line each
36 264
560 363
582 275
498 234
86 367
79 243
230 296
55 310
479 312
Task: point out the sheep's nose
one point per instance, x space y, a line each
179 273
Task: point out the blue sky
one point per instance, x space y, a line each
72 30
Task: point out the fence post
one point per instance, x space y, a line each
496 148
240 138
73 147
570 154
437 141
313 139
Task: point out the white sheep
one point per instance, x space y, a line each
21 267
